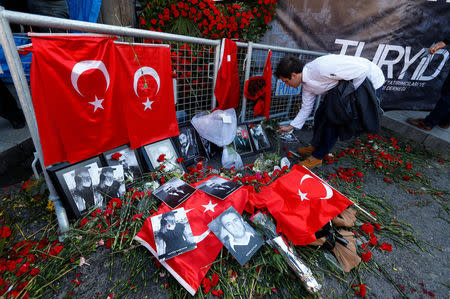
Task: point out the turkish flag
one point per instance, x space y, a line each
72 81
227 83
190 268
268 88
301 203
146 89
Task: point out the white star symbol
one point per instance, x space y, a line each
97 103
302 195
209 207
147 104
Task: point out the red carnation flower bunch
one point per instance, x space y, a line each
205 18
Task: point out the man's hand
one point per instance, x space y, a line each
285 129
436 47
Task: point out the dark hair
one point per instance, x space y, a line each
228 212
165 216
287 65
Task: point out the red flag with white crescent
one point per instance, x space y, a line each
301 203
227 88
72 81
146 89
190 268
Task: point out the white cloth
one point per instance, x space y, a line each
324 73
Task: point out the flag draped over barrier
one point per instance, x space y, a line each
146 90
87 91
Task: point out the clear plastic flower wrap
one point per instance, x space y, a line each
267 227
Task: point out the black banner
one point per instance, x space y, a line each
394 34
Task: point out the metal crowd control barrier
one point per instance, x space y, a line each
194 60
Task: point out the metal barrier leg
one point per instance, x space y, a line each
21 85
33 165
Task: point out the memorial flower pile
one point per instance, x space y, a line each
245 21
35 263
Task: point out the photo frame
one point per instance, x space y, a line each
259 138
188 144
242 143
152 151
74 185
209 148
108 182
128 158
241 240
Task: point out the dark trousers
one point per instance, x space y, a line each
9 109
329 137
441 112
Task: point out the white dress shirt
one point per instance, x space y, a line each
324 73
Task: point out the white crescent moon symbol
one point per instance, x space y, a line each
201 237
327 188
329 191
145 70
85 65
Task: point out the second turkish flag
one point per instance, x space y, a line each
301 203
146 91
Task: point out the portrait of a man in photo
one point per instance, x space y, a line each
237 235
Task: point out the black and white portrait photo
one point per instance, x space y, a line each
173 234
236 234
187 143
154 150
108 183
126 157
289 137
174 192
218 187
209 148
241 141
259 137
79 184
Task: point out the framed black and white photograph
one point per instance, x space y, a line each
188 144
218 187
173 234
289 137
174 192
209 148
153 151
241 240
259 137
108 183
74 185
241 141
126 157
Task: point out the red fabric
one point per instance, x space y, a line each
227 90
262 107
268 78
65 87
191 267
299 219
146 122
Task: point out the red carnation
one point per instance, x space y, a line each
34 271
367 228
361 291
161 157
386 246
5 232
206 283
116 156
366 256
217 293
180 160
373 240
